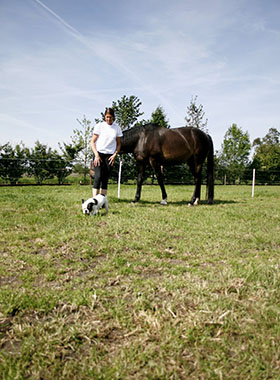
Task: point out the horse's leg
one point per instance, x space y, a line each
141 166
159 174
210 172
197 189
196 171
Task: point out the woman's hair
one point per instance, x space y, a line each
110 111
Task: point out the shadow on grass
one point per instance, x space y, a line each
177 203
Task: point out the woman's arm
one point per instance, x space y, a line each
96 161
118 148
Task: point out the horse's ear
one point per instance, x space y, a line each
83 201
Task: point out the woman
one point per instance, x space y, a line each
105 144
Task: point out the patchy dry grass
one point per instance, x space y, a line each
146 292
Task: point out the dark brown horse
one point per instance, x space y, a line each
157 145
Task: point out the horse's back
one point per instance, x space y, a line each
171 144
180 144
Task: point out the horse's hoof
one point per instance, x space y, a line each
163 202
190 205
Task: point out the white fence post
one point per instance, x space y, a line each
253 182
119 179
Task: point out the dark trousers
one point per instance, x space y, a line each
102 172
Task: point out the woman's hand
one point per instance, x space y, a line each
97 160
112 159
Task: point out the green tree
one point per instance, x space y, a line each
12 162
220 168
159 117
267 155
267 151
40 162
127 111
81 143
63 164
235 152
195 116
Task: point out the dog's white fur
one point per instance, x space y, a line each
94 204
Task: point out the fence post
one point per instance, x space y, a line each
253 182
119 178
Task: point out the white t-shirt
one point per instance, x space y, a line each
107 134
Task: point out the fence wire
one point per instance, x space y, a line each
175 174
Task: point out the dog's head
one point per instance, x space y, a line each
89 206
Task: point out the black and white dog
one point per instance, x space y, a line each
93 205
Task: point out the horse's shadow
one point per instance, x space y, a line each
175 203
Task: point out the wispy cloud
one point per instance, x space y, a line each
115 54
61 21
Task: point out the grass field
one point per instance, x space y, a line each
146 292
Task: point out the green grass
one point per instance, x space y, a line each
145 292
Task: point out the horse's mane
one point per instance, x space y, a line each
133 132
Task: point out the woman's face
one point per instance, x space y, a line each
109 119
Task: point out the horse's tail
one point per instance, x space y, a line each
210 171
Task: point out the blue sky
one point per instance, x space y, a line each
63 59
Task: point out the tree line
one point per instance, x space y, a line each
232 162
